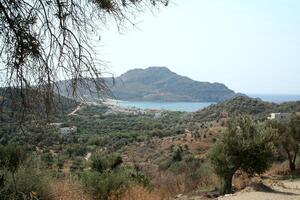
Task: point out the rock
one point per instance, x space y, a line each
178 196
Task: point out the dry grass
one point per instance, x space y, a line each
170 183
68 190
241 180
71 190
150 155
279 169
138 193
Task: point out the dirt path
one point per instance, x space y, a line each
74 111
273 190
281 190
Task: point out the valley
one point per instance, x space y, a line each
170 148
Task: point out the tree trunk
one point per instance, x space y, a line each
292 166
227 185
292 162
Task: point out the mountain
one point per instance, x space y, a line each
243 105
161 84
155 84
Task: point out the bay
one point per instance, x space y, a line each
194 106
172 106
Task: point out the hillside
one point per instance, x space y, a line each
32 103
161 84
243 105
158 84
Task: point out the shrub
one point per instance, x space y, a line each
11 156
178 154
116 181
25 182
47 158
28 183
101 185
101 161
108 177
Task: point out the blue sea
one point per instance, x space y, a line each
173 106
194 106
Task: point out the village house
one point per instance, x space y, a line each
68 130
279 116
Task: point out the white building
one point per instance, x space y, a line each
279 116
57 125
68 130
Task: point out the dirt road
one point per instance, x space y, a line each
281 190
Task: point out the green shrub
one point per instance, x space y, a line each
101 161
101 185
26 182
11 156
107 176
47 158
178 154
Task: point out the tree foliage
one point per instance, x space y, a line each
246 145
288 138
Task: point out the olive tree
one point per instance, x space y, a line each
288 138
245 145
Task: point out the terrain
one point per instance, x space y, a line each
169 148
158 84
243 105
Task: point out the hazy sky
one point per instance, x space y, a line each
252 46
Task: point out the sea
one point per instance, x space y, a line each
194 106
172 106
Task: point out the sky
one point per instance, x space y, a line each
252 46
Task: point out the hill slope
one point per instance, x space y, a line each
243 105
155 84
161 84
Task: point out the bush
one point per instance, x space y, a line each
26 182
47 158
108 177
11 156
178 154
102 185
101 161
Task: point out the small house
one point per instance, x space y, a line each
68 130
279 116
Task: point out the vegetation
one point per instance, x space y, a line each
245 145
164 149
21 176
288 138
242 105
108 177
46 41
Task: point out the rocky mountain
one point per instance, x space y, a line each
161 84
156 84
